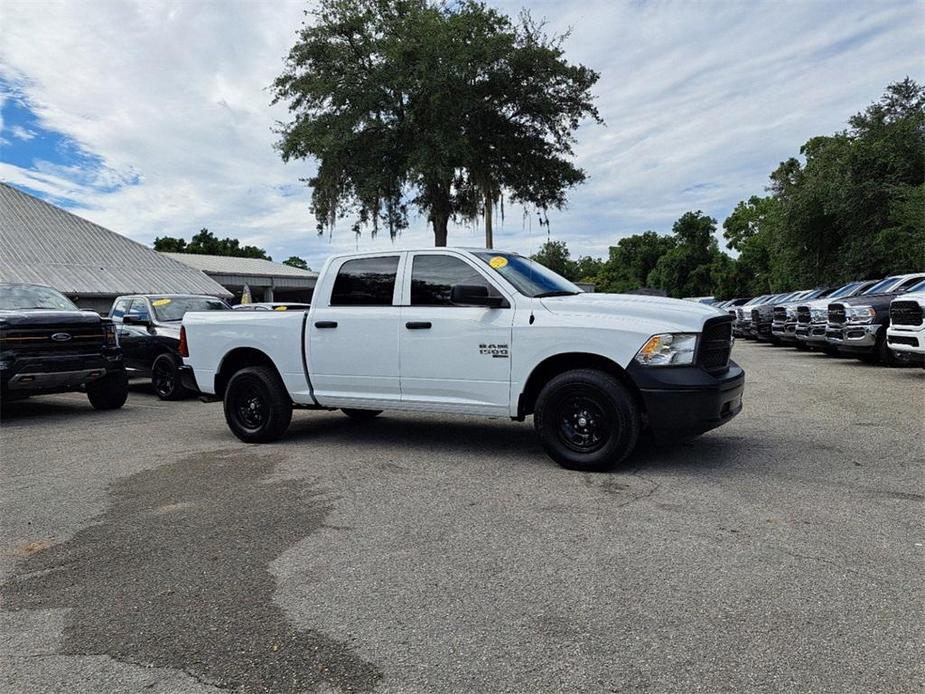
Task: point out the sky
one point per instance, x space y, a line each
153 118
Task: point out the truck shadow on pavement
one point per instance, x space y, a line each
175 574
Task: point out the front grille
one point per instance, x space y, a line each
780 314
715 344
39 340
803 315
906 313
837 313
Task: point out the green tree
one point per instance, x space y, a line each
686 269
442 106
296 261
631 261
206 243
555 255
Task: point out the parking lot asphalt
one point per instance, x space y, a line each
149 550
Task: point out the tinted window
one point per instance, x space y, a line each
139 309
31 296
882 286
908 284
365 282
433 277
119 308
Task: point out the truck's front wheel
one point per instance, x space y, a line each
257 407
586 420
109 392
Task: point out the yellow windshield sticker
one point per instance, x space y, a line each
160 302
498 262
280 308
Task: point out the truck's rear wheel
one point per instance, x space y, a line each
586 420
360 415
257 407
109 392
165 378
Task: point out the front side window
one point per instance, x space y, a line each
25 297
365 282
173 308
139 309
120 308
433 277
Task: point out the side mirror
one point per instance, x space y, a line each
135 320
474 295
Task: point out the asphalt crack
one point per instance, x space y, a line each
175 573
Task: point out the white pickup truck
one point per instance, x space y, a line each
473 332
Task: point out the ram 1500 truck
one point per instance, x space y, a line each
858 325
48 345
474 332
906 334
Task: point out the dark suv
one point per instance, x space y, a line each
48 345
149 332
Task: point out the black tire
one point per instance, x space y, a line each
802 346
831 350
586 420
257 407
165 378
885 355
360 415
109 392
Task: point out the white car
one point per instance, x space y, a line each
474 332
906 333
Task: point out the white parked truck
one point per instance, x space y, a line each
906 334
474 332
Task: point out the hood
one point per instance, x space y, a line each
867 300
38 318
684 315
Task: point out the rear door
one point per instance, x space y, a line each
353 334
453 358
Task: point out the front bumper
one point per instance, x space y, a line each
44 374
811 333
906 339
785 332
852 338
684 401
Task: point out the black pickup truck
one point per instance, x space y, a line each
48 345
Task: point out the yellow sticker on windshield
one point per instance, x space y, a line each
160 302
280 308
498 262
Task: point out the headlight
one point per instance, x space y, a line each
819 315
669 349
860 314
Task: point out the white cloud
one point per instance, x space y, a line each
701 102
21 133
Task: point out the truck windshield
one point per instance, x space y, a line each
844 291
172 308
22 297
528 277
883 286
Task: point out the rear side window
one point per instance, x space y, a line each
433 277
365 282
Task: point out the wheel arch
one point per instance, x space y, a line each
237 359
557 364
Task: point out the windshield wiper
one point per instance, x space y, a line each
560 292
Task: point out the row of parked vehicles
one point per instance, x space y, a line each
874 320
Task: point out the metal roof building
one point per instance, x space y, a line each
268 281
44 244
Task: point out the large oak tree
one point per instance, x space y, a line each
443 107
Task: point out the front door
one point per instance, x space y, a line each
136 340
453 358
353 336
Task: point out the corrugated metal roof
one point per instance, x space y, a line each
44 244
227 265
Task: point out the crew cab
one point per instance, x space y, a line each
474 332
812 316
906 333
149 333
48 345
858 325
